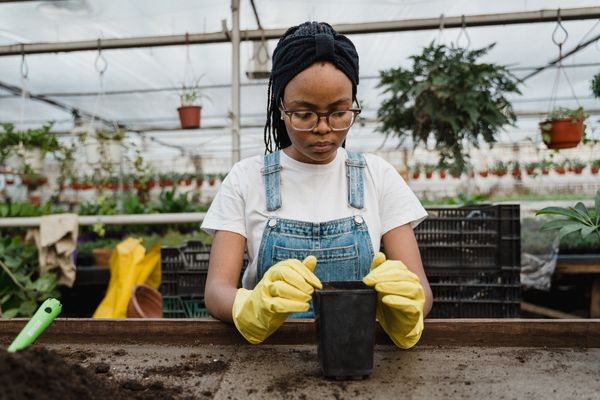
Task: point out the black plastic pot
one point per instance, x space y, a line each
345 322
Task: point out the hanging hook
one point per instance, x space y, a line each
441 31
463 32
559 24
101 63
24 66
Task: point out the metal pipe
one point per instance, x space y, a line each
235 82
521 17
132 219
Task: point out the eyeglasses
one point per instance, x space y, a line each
307 120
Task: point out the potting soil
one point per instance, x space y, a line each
42 374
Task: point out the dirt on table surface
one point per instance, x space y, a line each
130 371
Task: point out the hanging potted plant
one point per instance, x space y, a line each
483 173
25 150
190 109
199 180
563 128
450 96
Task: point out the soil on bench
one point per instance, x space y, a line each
44 374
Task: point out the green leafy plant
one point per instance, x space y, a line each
21 288
448 94
578 218
34 138
596 85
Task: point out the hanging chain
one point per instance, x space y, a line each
463 32
24 92
101 65
559 29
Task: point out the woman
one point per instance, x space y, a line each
309 199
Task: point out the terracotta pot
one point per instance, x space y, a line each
516 173
416 175
564 134
483 174
189 117
428 175
442 174
594 170
500 173
545 171
577 170
530 171
102 256
145 302
560 170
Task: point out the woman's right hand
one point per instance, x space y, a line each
286 287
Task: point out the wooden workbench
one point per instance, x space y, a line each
466 359
584 265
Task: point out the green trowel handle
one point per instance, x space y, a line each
36 325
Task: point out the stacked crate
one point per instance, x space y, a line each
184 271
472 258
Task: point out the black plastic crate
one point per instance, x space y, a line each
472 258
486 294
472 238
184 269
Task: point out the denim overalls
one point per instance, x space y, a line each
343 247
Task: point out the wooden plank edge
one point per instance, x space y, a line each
581 333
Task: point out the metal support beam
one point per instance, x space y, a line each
525 17
235 82
131 219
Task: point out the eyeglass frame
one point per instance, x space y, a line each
355 111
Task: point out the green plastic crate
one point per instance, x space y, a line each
184 307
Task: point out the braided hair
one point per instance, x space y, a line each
299 48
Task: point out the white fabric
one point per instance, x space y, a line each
310 192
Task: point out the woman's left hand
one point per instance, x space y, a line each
400 300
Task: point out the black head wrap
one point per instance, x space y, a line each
299 48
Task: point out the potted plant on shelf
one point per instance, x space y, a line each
483 172
563 128
450 95
515 170
577 166
595 167
499 168
429 168
531 167
560 167
416 171
545 166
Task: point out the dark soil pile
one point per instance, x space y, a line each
42 374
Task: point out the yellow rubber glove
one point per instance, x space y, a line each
286 287
400 300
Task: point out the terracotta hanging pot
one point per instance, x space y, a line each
189 117
562 133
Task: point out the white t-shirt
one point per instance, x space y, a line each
312 193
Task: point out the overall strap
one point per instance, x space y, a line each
272 180
355 166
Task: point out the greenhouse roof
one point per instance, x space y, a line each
140 86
